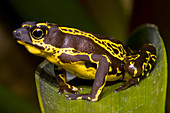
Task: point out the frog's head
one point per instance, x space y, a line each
37 37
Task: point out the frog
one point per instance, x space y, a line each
89 56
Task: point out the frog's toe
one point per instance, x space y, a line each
72 96
66 90
116 90
131 82
76 89
78 97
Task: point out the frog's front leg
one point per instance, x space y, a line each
61 80
100 78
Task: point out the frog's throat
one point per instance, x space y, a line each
32 49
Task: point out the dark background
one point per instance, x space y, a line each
116 18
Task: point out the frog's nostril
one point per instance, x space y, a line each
18 33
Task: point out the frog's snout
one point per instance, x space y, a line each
16 33
21 34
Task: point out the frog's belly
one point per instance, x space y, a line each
80 70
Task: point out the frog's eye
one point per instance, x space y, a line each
38 33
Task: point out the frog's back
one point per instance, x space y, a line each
92 43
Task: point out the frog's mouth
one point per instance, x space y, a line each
34 49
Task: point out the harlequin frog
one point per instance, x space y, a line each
86 55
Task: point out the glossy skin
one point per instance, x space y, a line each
86 55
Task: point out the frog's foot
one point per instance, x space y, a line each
79 97
131 82
69 89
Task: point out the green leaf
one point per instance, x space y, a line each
148 97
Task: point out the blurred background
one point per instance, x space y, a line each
116 18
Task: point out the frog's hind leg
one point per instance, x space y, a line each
61 79
139 66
